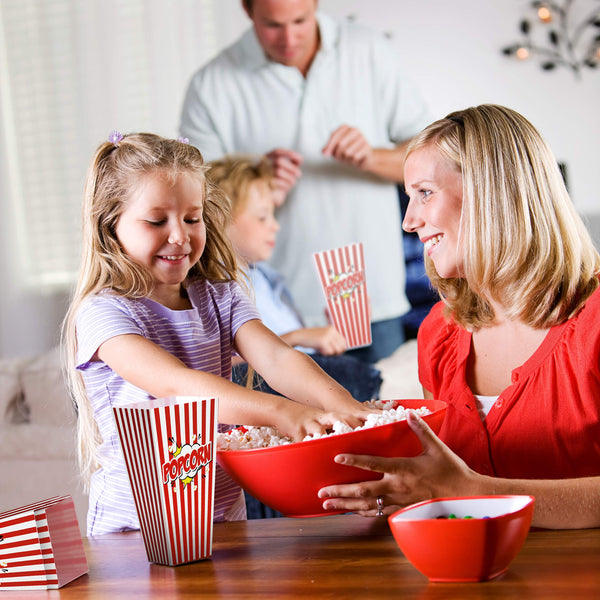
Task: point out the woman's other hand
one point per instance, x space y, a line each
436 472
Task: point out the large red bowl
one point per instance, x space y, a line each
288 478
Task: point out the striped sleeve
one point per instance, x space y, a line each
100 319
242 308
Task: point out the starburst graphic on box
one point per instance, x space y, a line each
186 461
343 285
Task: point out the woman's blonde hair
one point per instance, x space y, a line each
523 243
235 174
114 173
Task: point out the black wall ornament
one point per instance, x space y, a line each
560 34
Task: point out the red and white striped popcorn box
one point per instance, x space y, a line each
40 546
169 448
341 272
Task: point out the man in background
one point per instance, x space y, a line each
326 101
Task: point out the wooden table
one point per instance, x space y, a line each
341 556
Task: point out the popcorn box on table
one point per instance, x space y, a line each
169 448
40 546
341 272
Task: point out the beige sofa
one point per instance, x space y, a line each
37 426
37 435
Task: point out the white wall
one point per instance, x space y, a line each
452 49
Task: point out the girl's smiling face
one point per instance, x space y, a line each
161 228
434 186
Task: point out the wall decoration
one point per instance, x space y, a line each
560 34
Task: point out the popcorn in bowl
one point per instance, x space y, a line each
248 437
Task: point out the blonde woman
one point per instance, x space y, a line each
158 312
514 345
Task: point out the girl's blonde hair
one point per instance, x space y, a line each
524 245
115 172
235 174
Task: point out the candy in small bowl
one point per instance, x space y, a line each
288 477
463 539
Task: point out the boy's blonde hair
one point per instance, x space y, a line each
236 174
115 172
524 245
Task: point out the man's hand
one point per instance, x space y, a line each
286 168
348 145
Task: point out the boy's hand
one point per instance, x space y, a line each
326 340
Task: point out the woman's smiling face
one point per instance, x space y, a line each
434 186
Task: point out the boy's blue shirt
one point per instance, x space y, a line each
274 301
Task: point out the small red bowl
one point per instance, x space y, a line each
288 478
463 549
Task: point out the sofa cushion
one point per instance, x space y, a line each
400 373
38 442
10 389
45 391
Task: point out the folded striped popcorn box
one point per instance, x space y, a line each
40 546
341 272
169 448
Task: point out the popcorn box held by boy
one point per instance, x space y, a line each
169 447
40 546
341 272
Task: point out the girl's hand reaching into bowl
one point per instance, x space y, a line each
299 420
354 414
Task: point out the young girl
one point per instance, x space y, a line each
157 312
249 186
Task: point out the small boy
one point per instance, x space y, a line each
253 231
